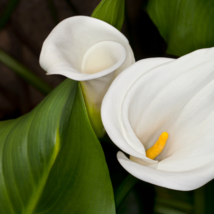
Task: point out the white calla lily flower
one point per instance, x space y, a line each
87 50
160 95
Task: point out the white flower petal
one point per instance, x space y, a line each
66 50
112 103
167 103
185 181
174 97
88 50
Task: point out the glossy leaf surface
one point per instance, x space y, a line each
185 25
51 161
111 11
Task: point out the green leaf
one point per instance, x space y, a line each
51 161
111 11
185 25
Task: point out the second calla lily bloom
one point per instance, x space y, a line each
87 50
171 102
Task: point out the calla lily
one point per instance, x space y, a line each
162 95
91 51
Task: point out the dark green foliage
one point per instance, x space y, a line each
51 161
185 25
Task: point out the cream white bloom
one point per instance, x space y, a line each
87 50
165 95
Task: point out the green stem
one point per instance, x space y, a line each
124 189
7 12
23 72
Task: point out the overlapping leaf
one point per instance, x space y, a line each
111 11
51 161
185 25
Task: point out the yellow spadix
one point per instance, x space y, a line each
158 147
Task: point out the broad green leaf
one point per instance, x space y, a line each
51 161
111 11
185 25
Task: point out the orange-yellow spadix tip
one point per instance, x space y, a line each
158 147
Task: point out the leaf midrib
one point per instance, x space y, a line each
38 191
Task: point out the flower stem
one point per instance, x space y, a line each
24 73
124 189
